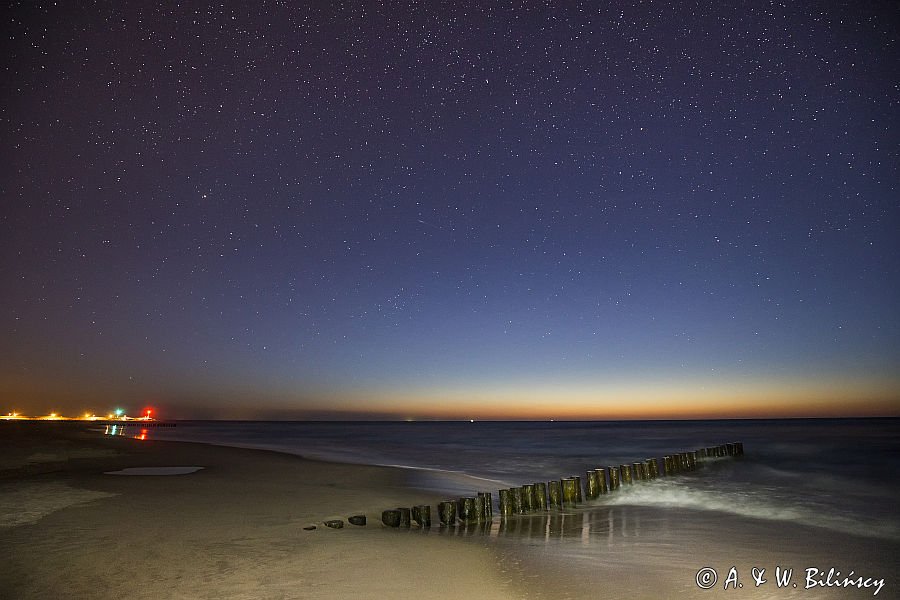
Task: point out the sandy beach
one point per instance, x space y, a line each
231 530
83 515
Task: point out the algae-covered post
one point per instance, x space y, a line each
570 491
638 468
422 515
613 478
447 512
467 509
506 504
592 485
518 500
528 498
555 493
540 495
488 500
601 476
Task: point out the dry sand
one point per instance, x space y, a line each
231 530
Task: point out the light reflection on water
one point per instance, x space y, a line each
134 431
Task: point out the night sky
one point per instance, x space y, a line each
447 209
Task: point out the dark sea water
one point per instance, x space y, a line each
807 494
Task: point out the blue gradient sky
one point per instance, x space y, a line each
447 211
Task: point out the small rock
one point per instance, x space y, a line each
309 528
357 520
335 524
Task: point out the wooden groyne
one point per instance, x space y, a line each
545 497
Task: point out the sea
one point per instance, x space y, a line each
811 509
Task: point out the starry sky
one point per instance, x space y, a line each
451 209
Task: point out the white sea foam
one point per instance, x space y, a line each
755 504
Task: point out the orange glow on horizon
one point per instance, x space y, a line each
654 397
648 401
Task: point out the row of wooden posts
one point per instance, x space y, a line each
558 493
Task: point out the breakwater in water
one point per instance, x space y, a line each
559 493
542 496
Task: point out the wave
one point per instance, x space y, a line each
754 504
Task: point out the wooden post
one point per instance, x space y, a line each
334 523
359 520
404 516
555 493
517 500
569 491
613 478
601 478
592 485
625 474
447 512
540 496
638 469
506 504
422 515
654 468
467 510
528 497
488 505
578 496
391 518
739 448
